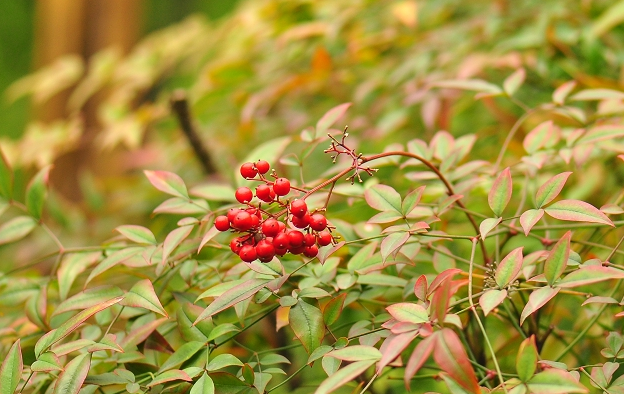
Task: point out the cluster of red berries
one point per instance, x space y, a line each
262 234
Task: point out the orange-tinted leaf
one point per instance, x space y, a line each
167 182
538 137
560 94
529 219
418 358
393 346
330 118
577 211
450 355
491 299
440 301
538 299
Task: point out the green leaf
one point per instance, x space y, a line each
509 268
16 228
488 225
554 381
597 94
356 353
222 361
411 200
383 198
109 342
601 133
173 240
610 17
526 360
307 323
577 211
75 373
6 178
138 234
381 280
361 257
477 85
272 359
227 383
141 333
167 182
71 266
408 312
500 194
330 118
184 353
392 243
47 362
232 296
551 189
514 81
112 260
183 206
538 137
70 325
204 385
491 299
36 192
560 94
450 355
169 376
588 275
538 299
88 298
11 370
343 376
333 308
529 219
142 295
557 259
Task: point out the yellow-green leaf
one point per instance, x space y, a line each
142 295
500 194
75 373
16 228
11 370
526 360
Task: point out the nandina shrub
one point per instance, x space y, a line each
418 268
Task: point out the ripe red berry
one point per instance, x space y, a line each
281 241
265 193
248 253
310 251
281 186
298 208
297 250
301 222
235 245
323 238
295 238
309 239
242 221
318 222
243 195
232 214
263 166
248 170
280 252
255 221
270 227
265 249
222 223
282 226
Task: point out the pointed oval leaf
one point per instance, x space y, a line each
420 288
477 85
590 274
222 361
577 211
555 381
307 322
356 353
330 118
419 356
169 376
343 376
597 94
411 200
393 346
142 295
138 234
332 310
488 225
167 182
538 137
173 240
450 355
538 299
557 259
184 353
16 229
560 94
529 219
514 81
392 243
11 370
509 268
551 189
500 194
112 260
526 360
491 299
36 192
71 379
601 133
88 298
47 362
204 385
383 198
408 312
232 296
72 265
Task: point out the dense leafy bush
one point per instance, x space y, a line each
484 258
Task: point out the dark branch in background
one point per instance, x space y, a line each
180 107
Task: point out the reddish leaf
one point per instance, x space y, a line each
169 376
500 194
450 355
509 268
440 301
332 310
557 259
529 219
392 243
408 312
393 346
417 359
538 137
71 379
560 94
167 182
343 376
551 189
491 299
577 211
488 225
141 333
420 288
538 299
443 276
331 117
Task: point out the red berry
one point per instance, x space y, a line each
255 221
280 252
297 250
310 251
232 214
263 166
248 253
298 208
270 227
235 245
309 239
242 221
282 226
295 239
301 222
281 186
318 222
265 193
281 241
254 212
243 195
222 223
265 249
248 170
324 238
